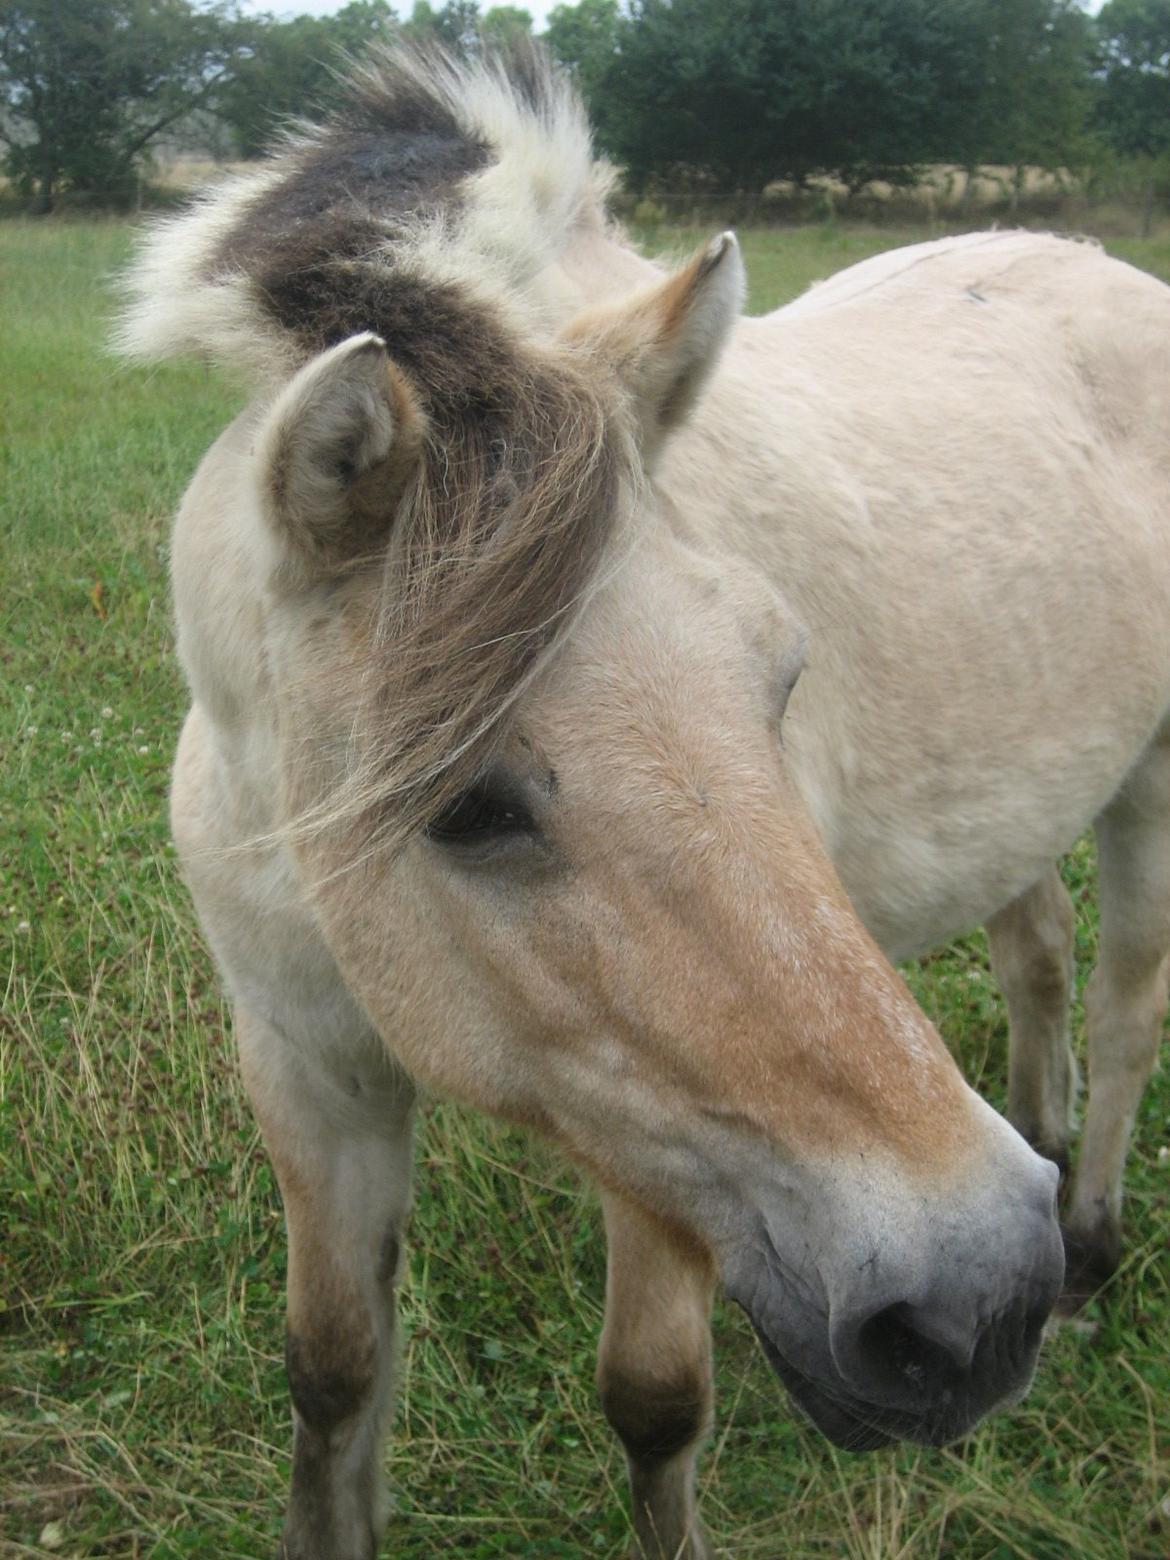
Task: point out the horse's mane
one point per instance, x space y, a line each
446 176
425 209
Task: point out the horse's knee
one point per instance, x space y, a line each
336 1502
1033 955
1124 1009
1047 970
331 1373
656 1416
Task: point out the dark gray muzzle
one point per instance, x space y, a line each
885 1338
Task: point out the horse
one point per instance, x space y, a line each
594 691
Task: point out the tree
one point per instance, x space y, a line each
736 93
505 24
1035 58
585 38
887 84
696 89
455 24
291 69
359 24
732 94
1134 110
87 85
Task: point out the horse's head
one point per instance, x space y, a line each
534 767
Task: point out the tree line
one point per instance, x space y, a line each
725 95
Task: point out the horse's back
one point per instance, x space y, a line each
1058 307
958 472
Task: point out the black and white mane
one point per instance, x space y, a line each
429 202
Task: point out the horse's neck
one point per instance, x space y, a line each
597 265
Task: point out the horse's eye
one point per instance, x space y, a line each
477 816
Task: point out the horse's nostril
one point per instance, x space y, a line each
900 1351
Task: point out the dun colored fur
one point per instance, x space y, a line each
592 690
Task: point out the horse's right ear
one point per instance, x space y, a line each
335 452
665 341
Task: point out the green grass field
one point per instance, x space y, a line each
142 1400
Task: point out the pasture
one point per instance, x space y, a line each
142 1400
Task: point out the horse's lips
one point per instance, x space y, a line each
848 1422
837 1422
824 1400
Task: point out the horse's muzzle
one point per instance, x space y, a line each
924 1354
909 1388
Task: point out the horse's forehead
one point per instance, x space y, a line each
693 606
673 644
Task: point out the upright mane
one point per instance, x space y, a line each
425 209
436 183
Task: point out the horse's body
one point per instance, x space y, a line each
977 543
947 473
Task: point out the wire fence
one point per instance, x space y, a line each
1122 201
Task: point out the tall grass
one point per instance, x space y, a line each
142 1402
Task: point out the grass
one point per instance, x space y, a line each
142 1402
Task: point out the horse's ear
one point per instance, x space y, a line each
665 342
336 450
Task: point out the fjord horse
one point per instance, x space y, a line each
593 691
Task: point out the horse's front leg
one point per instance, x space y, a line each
654 1372
338 1127
1032 955
1125 1005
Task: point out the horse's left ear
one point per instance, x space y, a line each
665 342
335 453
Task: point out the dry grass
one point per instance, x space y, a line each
142 1406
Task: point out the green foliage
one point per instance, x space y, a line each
143 1410
291 69
87 85
1134 107
736 93
455 24
1035 60
705 95
458 25
584 37
505 24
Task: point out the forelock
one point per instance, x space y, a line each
509 524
